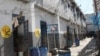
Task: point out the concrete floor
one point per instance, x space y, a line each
87 48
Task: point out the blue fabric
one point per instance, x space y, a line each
94 19
77 42
98 18
34 52
43 51
67 54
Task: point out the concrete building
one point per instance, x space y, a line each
96 5
91 27
97 10
54 18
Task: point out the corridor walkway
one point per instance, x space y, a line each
87 48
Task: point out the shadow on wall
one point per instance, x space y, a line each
90 34
1 49
89 50
8 47
82 36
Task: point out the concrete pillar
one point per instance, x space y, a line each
58 22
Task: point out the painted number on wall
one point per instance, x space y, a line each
5 31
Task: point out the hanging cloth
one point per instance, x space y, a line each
15 22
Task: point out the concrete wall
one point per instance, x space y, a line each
98 5
14 7
90 23
63 30
9 7
42 15
53 12
58 7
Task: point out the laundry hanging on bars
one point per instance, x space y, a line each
15 22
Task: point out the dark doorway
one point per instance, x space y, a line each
69 37
20 37
52 36
43 33
17 38
75 35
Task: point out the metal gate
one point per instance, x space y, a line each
52 36
21 36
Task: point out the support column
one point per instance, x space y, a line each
58 22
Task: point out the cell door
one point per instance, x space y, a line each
43 33
52 36
18 33
21 38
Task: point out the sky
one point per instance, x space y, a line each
86 6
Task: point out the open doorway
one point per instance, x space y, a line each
43 33
52 36
20 37
69 37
